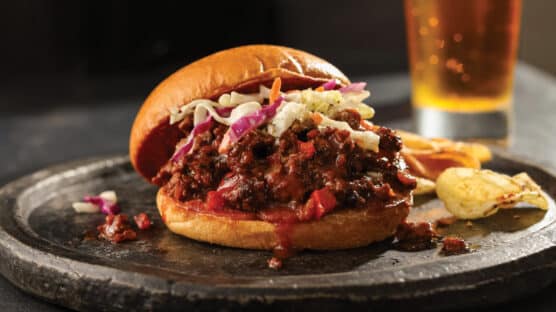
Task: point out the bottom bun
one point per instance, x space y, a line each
342 229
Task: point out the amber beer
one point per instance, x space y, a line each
462 55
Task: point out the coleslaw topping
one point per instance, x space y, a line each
105 202
245 112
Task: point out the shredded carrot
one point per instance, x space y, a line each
319 89
317 118
367 125
275 90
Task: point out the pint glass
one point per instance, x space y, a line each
462 55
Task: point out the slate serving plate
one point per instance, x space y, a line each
45 251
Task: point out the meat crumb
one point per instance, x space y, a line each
89 235
275 263
446 221
116 229
415 236
142 220
454 246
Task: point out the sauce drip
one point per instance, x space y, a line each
284 249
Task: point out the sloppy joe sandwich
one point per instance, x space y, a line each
266 147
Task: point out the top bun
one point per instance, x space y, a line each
241 69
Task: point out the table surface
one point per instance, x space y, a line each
42 126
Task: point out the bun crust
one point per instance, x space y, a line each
342 229
153 140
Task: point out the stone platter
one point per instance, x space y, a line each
44 252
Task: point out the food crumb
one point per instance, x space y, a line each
454 246
442 222
515 216
469 224
89 235
142 220
116 229
275 263
415 236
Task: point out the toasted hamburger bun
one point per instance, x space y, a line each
341 229
241 69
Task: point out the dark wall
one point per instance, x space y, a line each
98 38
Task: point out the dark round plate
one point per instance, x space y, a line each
45 251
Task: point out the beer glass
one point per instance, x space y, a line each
462 55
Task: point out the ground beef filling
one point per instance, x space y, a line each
260 171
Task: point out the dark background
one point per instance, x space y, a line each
106 37
85 52
54 52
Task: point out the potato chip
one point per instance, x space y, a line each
427 158
477 150
471 193
431 163
415 142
